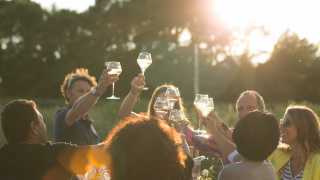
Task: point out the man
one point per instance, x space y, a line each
81 92
247 102
28 155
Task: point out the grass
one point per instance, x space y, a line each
105 116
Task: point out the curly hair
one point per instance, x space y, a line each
78 74
143 148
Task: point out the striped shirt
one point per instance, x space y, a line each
286 173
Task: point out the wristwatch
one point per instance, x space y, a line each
94 92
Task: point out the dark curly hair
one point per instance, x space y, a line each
143 148
256 135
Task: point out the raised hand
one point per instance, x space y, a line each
106 80
137 84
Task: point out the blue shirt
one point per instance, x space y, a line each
82 132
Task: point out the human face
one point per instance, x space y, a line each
246 104
78 89
288 132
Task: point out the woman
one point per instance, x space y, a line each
300 157
132 97
183 126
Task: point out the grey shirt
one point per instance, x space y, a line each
247 170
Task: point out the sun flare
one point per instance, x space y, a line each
276 16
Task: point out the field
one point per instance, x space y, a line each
105 112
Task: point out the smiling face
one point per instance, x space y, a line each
77 89
288 131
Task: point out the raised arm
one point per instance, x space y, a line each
220 134
83 104
132 97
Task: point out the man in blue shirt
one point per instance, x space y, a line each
81 92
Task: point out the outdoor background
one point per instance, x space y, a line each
39 44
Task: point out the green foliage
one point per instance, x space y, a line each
37 48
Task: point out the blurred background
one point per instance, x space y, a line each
218 47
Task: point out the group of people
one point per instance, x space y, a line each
149 145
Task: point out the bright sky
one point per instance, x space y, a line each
77 5
300 16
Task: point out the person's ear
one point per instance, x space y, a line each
68 93
34 128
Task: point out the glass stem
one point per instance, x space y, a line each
112 89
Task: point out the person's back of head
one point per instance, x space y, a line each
16 118
143 149
256 135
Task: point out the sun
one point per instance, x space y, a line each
277 16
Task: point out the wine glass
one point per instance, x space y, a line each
144 61
176 115
210 106
114 68
161 106
201 102
196 170
172 93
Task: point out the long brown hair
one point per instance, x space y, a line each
306 121
161 90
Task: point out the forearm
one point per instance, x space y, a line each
81 107
225 146
128 104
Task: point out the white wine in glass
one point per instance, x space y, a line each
201 103
114 68
144 61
